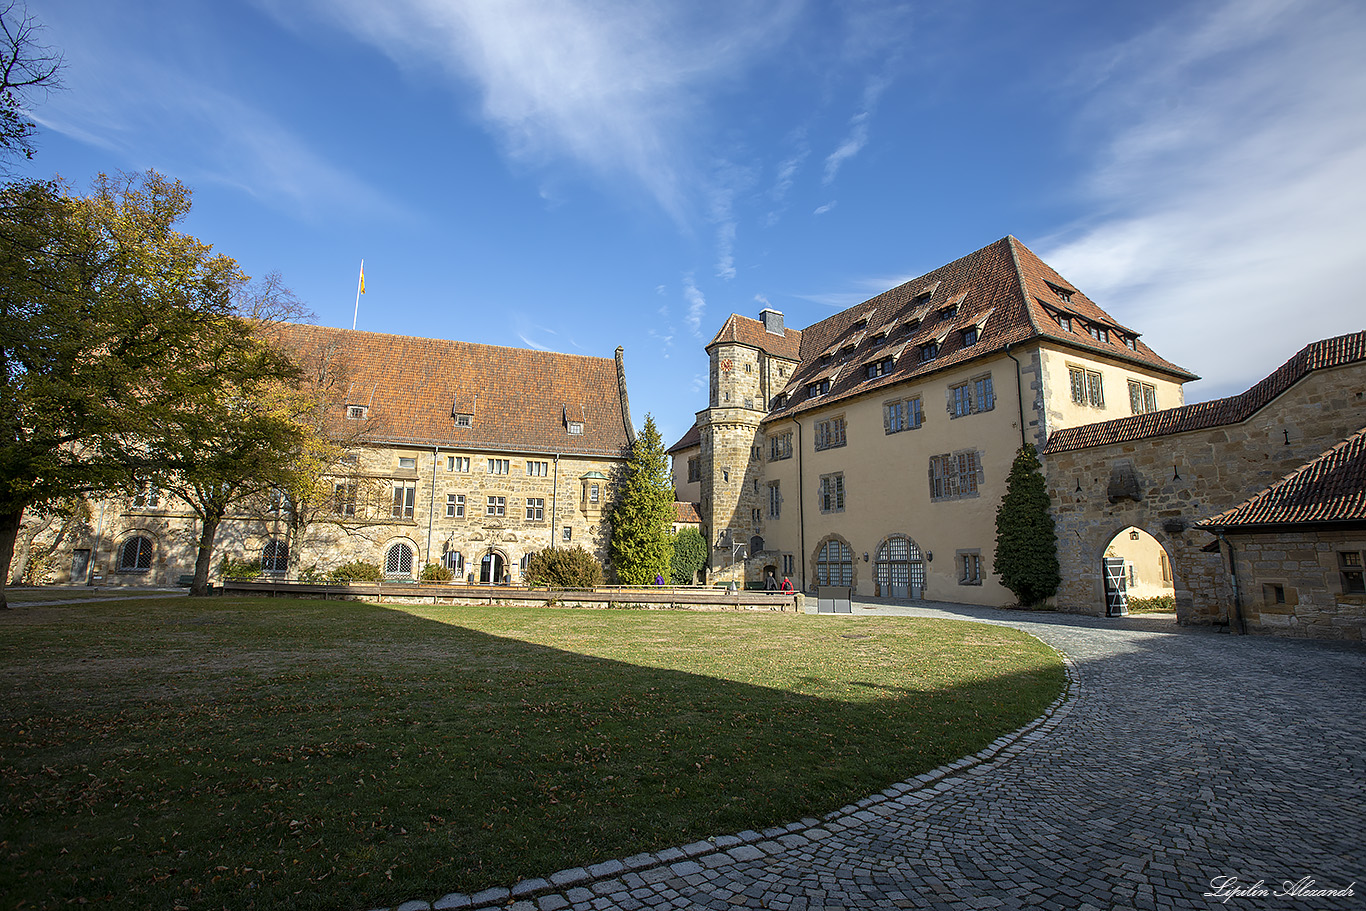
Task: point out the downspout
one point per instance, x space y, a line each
1237 592
555 502
431 506
801 504
1019 394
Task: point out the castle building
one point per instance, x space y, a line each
872 448
467 455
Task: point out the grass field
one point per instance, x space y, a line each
250 753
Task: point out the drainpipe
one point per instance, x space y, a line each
1019 394
801 504
431 506
554 502
1237 592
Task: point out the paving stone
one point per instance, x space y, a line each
455 901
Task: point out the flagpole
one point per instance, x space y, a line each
360 287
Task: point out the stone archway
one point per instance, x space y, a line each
833 560
899 570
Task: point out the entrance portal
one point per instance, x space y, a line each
1139 565
491 569
900 570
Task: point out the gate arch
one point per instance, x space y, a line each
899 571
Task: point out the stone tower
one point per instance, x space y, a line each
744 378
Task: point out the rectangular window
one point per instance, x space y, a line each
983 395
537 469
960 400
497 506
455 505
694 470
788 564
1064 321
344 498
903 415
830 433
464 420
754 516
1353 571
929 351
568 534
405 494
355 412
1166 566
1100 333
407 463
969 336
147 497
1087 387
500 466
575 428
1142 397
954 475
818 388
780 447
832 492
458 463
970 568
535 509
775 501
593 493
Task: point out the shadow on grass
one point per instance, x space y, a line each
253 754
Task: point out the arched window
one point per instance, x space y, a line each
835 563
900 570
454 561
275 557
398 562
135 555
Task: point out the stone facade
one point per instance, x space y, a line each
1166 482
1292 583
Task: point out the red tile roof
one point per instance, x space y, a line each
745 331
520 400
1332 488
690 439
1003 290
687 513
1333 352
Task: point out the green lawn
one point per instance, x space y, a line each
252 753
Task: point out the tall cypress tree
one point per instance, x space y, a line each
643 512
1026 541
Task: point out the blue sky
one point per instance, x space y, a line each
579 175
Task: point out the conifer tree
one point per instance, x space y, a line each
1026 541
643 512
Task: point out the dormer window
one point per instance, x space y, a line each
826 358
912 325
879 368
779 401
355 412
846 350
1064 321
929 351
464 420
1064 294
922 296
858 325
948 312
576 428
879 340
1130 342
969 336
818 388
1100 333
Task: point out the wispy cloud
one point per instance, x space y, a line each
821 210
1230 186
159 114
697 306
617 89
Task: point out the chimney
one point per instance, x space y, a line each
772 320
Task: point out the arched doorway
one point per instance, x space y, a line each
491 568
900 569
1142 568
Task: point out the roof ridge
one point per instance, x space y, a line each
1011 241
341 330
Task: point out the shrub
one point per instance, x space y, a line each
1147 605
310 573
356 571
564 568
690 555
1026 540
435 572
230 568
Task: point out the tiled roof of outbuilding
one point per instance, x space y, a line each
686 513
1332 488
690 439
1003 290
1333 352
521 400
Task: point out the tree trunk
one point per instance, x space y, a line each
10 521
23 547
208 531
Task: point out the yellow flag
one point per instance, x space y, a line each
362 278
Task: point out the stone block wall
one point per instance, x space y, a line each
1165 484
1291 584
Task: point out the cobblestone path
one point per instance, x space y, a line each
1181 759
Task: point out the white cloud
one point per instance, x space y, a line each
1232 186
821 210
697 306
617 88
